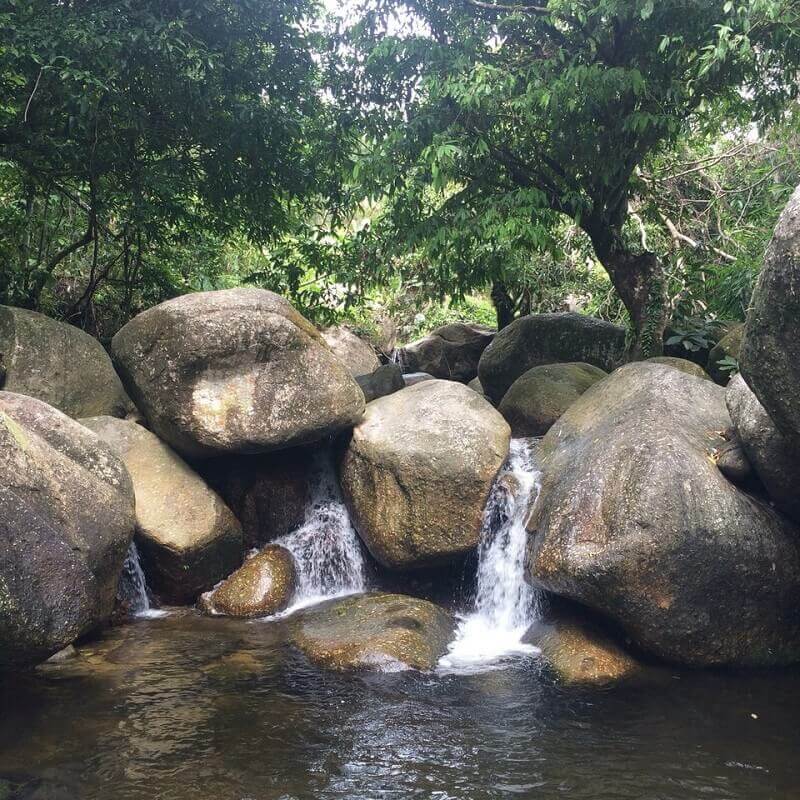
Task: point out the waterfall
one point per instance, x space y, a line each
505 604
326 547
132 589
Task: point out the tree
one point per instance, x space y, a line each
131 128
519 113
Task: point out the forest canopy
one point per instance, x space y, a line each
425 159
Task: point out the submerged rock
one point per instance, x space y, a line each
235 371
451 352
770 355
384 381
728 346
355 353
418 471
579 652
775 458
682 364
635 521
66 520
60 365
268 493
263 585
188 538
540 396
386 632
548 339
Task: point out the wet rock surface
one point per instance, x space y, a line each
384 632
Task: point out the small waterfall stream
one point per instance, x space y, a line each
505 604
133 586
326 548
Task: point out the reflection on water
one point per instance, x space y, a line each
189 708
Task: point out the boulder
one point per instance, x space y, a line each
355 353
540 396
262 586
770 355
383 381
635 521
682 364
727 347
187 537
732 461
66 521
475 385
413 378
418 471
451 352
579 652
60 365
548 339
385 632
236 371
268 493
773 455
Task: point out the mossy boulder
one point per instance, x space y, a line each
418 471
540 396
263 585
66 521
358 356
682 364
635 521
728 347
384 632
540 339
451 352
187 537
58 364
235 371
770 354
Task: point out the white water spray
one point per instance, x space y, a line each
505 604
326 547
133 586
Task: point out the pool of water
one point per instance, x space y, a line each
189 708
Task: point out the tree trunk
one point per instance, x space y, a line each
640 282
503 305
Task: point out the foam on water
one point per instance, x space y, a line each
326 547
505 604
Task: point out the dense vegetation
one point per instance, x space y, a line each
422 160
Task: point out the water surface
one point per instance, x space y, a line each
190 708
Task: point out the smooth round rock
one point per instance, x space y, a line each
682 364
382 632
262 586
357 355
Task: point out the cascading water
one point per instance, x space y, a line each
325 547
132 588
505 604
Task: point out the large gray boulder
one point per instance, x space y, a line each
635 521
378 632
357 355
540 396
418 471
235 371
66 521
548 339
774 457
770 354
59 364
451 352
187 537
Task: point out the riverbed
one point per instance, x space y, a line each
192 708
